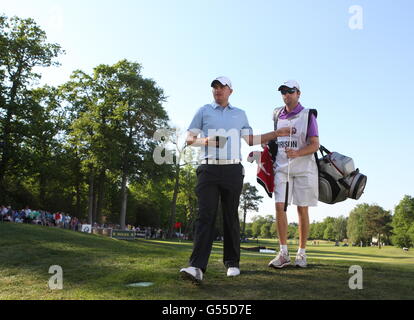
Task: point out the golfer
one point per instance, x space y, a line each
220 176
295 156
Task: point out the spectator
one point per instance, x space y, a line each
3 212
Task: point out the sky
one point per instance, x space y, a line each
353 60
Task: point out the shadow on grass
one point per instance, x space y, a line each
347 254
85 259
96 267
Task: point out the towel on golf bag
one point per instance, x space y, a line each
264 160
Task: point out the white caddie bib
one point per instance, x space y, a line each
301 165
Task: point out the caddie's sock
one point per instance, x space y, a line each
302 251
284 249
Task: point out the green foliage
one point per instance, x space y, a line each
330 229
329 233
368 221
317 230
293 231
249 201
263 227
78 147
357 228
149 204
23 47
340 228
403 223
379 223
265 231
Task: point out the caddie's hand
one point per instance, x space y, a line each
292 153
283 132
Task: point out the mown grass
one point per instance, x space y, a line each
96 267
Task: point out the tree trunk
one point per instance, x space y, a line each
78 196
6 148
124 197
42 187
101 190
174 202
244 222
190 218
95 201
7 129
90 206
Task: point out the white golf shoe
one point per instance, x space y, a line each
300 260
193 274
282 260
233 272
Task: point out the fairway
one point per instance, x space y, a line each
96 267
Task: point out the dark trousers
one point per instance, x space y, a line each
215 182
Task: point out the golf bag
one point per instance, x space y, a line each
338 179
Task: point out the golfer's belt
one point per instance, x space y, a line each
220 161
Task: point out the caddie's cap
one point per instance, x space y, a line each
224 81
290 84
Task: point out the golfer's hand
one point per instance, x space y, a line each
283 132
292 154
213 142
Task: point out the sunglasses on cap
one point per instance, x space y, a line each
285 91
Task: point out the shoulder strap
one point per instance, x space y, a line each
273 144
315 113
276 114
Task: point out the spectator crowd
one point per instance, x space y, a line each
65 221
39 217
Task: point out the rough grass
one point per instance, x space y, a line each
96 267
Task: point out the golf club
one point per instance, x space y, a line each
287 183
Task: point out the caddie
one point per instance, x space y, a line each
296 155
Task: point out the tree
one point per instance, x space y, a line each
182 157
120 112
23 47
379 223
259 222
89 136
265 230
403 222
249 201
138 115
293 231
43 150
357 224
148 203
187 198
249 231
339 228
317 230
257 225
329 232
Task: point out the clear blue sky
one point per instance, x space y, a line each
359 80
